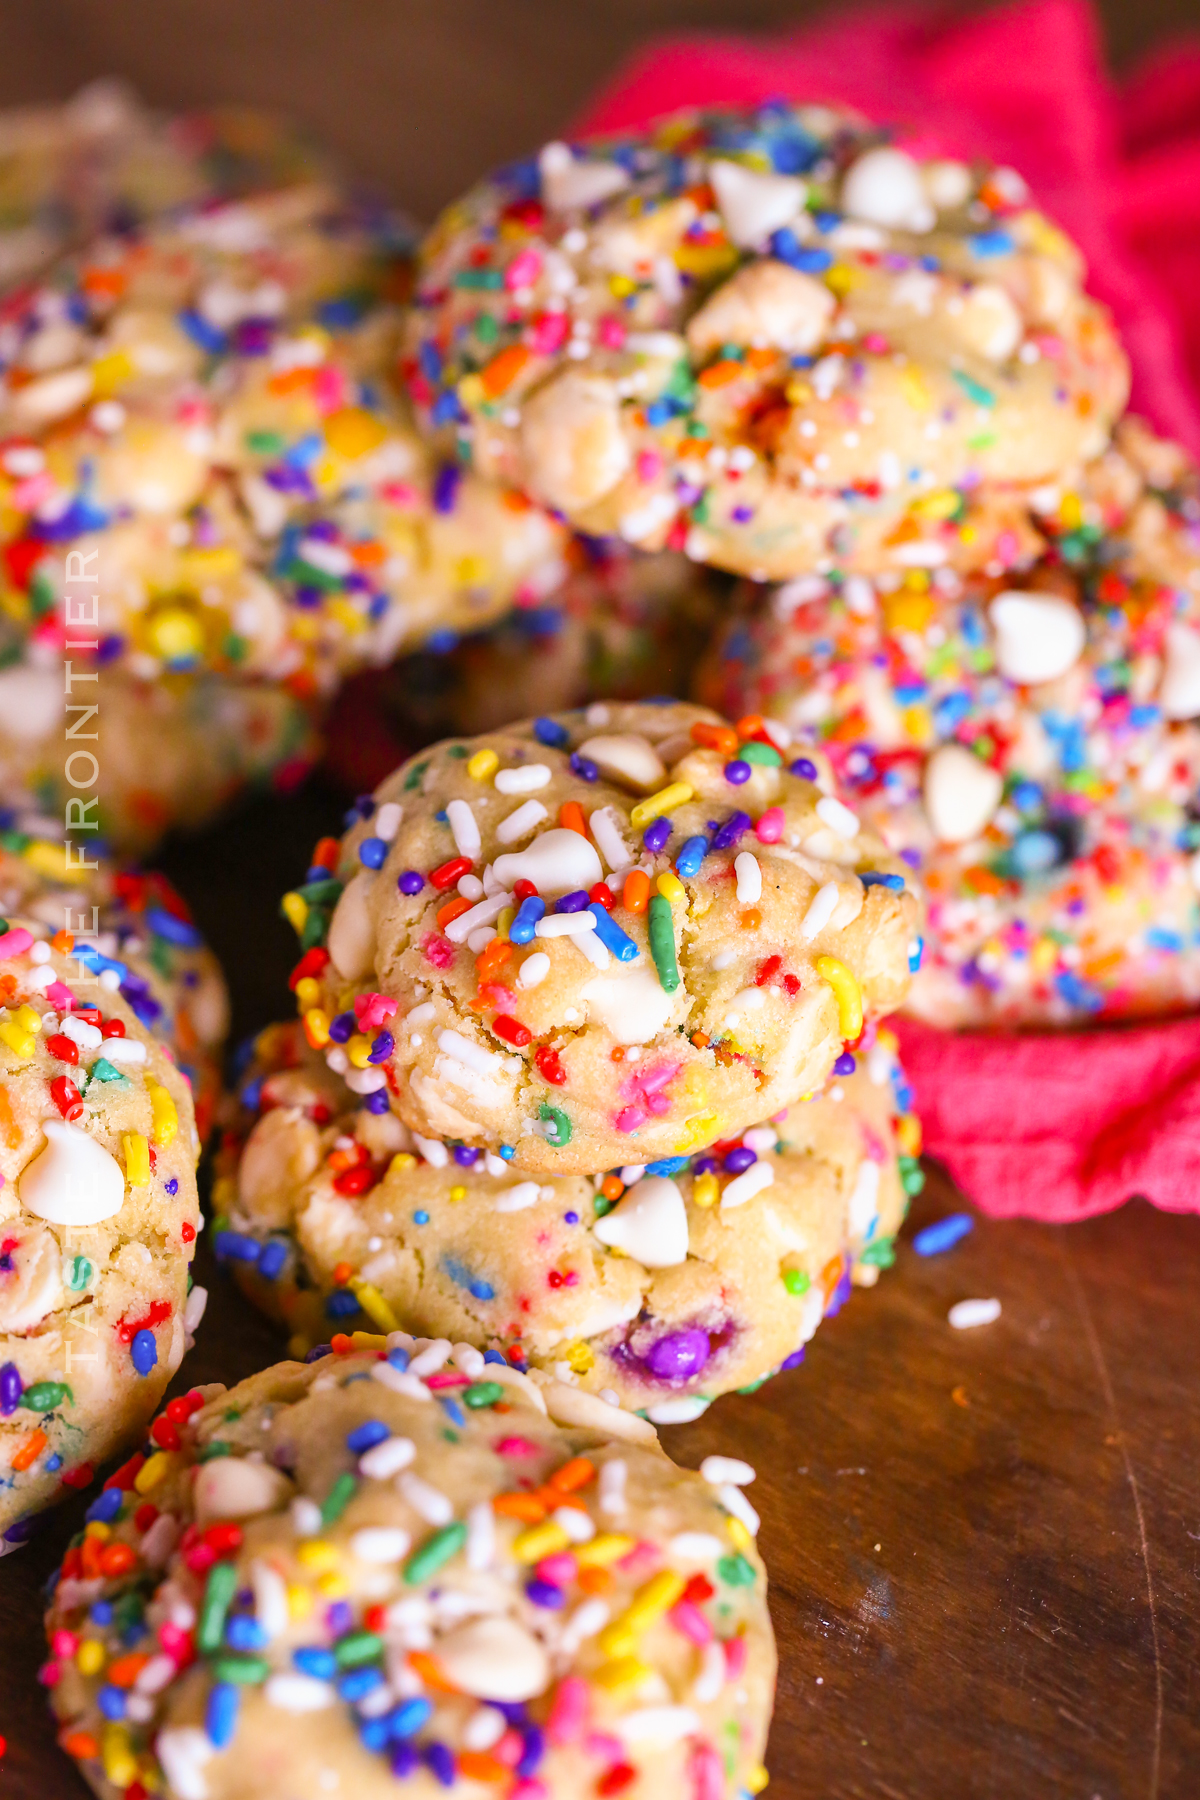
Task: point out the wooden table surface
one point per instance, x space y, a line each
984 1546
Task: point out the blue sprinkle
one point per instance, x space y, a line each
439 1758
372 853
845 1064
544 1593
111 1701
570 1218
735 826
804 768
407 1718
312 1660
143 1351
421 1217
667 1165
101 1613
572 903
992 243
201 331
507 1151
235 1246
356 1684
584 767
398 1357
374 1733
366 1435
105 1506
495 1356
874 878
341 1304
549 731
656 835
176 931
687 863
531 909
453 1410
943 1234
611 936
271 1260
221 1714
172 1186
245 1633
1159 938
737 771
915 955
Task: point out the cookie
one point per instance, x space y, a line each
622 625
214 741
1031 751
98 1206
402 1563
772 337
206 466
600 937
661 1287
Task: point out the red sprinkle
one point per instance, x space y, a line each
549 1066
64 1048
187 1232
356 1180
66 1097
511 1030
615 1779
447 873
311 963
524 890
113 1028
603 893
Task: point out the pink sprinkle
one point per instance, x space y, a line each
649 1081
649 465
691 1622
735 1657
769 829
707 1773
31 492
658 1104
549 333
605 1747
16 941
329 388
876 343
438 950
510 1749
523 270
1007 547
403 493
531 1788
569 1710
60 995
373 1009
611 332
64 1643
872 1144
630 1117
49 1674
447 1380
559 1570
176 1642
514 1446
640 1560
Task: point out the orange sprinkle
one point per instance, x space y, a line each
63 942
570 815
594 1581
492 958
452 909
749 727
760 358
701 1040
124 1671
340 1344
117 1559
612 1187
720 738
635 895
292 381
342 1273
369 554
29 1451
430 1670
720 374
574 1474
81 1745
831 1274
89 1558
8 1123
477 1765
503 370
519 1506
751 919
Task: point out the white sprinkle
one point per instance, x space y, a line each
306 1516
384 1460
433 1357
820 911
589 1618
839 818
380 1543
711 1679
486 1726
193 1309
749 878
470 887
464 827
422 1014
399 1381
968 1313
762 1139
486 913
516 1199
588 942
427 1501
679 1412
659 1725
605 827
719 1470
696 1546
270 1598
479 939
291 1692
159 1541
481 1536
387 820
520 823
183 1751
124 1050
736 1504
88 1037
468 1361
157 1674
612 1486
577 1524
484 1062
526 779
564 925
533 970
433 1150
743 1187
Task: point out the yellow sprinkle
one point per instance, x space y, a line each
1044 956
51 859
317 1553
623 1675
332 1586
908 611
346 615
120 1764
1070 512
607 1547
648 1605
739 1534
536 1541
846 992
670 887
32 1021
756 1779
358 1049
137 1158
943 503
471 391
471 571
503 922
200 567
352 432
99 1530
300 1601
483 764
579 1358
400 1162
153 1471
374 1305
666 800
705 1190
316 1026
18 1041
90 1658
622 286
916 390
887 1040
112 371
175 634
295 911
458 1193
368 1340
308 992
908 1135
842 278
166 1119
224 1194
917 723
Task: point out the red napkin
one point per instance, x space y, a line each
1049 1127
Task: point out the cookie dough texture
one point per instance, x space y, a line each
773 337
98 1209
207 466
600 937
388 1571
678 1282
1029 747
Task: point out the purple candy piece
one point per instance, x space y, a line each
679 1355
741 1158
794 1360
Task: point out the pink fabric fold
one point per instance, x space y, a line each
1047 1127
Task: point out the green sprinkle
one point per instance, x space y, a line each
80 1274
338 1498
662 942
243 1671
482 1393
974 390
554 1116
460 752
208 1452
735 1571
321 893
602 1205
765 755
413 778
436 1550
44 1396
265 443
103 1070
218 1597
358 1647
912 1180
880 1253
315 928
797 1281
